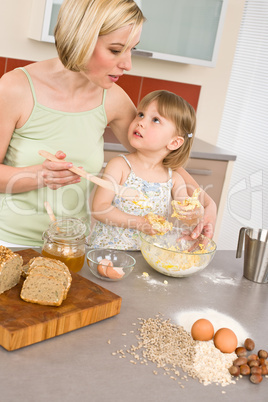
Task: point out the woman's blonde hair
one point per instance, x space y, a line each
176 109
81 22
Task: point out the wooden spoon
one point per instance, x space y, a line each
49 211
124 192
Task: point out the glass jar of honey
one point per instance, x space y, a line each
64 240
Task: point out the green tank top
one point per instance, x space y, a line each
23 217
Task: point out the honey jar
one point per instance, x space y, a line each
64 240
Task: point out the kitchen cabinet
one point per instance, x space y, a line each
184 31
43 19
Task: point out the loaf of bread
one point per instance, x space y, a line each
43 289
10 269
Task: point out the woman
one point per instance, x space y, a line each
65 103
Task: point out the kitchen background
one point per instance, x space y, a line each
231 98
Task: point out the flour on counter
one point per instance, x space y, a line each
219 278
218 320
152 282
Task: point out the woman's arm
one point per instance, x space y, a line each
16 104
207 226
104 211
13 179
120 112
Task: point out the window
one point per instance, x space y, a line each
244 127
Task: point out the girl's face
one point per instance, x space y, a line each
149 130
107 64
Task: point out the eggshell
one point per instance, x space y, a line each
202 330
225 340
102 267
114 272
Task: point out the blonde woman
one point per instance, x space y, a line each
65 104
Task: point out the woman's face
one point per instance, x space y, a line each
107 63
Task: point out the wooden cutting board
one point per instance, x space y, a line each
22 323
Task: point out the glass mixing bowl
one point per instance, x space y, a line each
176 255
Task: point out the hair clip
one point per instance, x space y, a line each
190 135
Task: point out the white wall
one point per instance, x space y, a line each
14 43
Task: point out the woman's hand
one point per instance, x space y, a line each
57 174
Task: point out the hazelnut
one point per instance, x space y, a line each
255 370
253 357
239 361
249 344
262 354
244 369
255 378
253 363
240 351
234 370
264 370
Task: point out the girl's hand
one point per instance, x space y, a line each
57 174
207 225
144 226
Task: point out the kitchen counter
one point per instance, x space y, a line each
80 365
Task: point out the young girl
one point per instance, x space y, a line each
162 134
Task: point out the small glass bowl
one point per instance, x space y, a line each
110 265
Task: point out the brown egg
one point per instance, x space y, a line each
202 330
102 267
225 340
114 272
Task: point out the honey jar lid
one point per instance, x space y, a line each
66 229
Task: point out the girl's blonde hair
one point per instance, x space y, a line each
81 22
176 109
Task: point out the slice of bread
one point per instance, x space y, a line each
10 269
48 262
53 272
43 289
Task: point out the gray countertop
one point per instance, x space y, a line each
80 366
200 149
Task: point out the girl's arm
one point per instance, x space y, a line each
179 189
210 209
104 211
